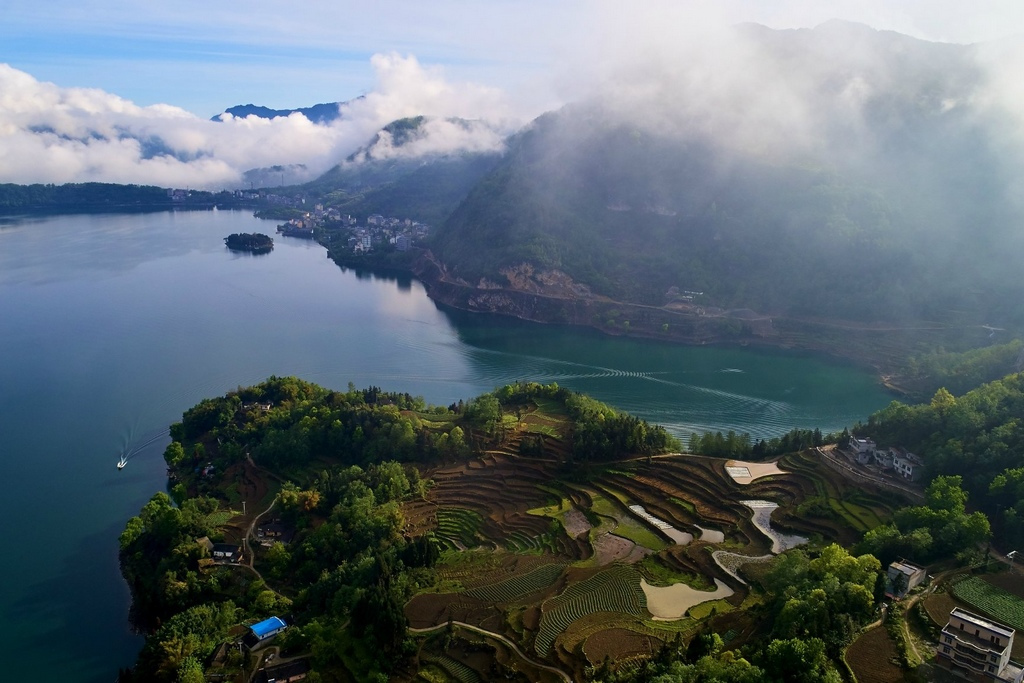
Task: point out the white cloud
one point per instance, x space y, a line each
57 135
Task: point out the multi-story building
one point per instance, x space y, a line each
906 464
978 648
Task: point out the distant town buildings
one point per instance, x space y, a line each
378 232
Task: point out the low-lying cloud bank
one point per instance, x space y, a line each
50 134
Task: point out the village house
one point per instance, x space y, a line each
264 630
977 648
274 531
863 449
906 464
883 458
227 552
903 577
288 672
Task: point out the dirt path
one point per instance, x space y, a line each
497 636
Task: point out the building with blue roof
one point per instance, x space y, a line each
267 628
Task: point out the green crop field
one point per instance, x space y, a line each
997 603
616 589
517 586
457 526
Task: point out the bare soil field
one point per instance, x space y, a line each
618 644
669 603
872 658
743 472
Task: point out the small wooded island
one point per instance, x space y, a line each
529 534
255 242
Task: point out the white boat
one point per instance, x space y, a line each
122 462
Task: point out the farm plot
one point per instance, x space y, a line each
457 528
743 472
680 537
872 657
518 586
997 603
668 603
731 562
1011 582
454 668
625 525
616 589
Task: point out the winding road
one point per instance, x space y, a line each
496 636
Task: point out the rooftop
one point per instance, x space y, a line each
267 625
981 622
906 568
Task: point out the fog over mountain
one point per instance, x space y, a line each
840 96
835 172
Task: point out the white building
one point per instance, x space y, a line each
898 588
977 648
906 464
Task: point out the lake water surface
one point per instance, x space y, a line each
112 325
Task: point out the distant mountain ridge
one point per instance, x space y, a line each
323 113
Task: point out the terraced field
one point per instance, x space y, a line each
616 589
551 551
457 528
518 586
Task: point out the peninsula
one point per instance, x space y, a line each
529 534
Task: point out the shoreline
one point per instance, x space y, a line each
881 349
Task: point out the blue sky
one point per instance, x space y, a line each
206 56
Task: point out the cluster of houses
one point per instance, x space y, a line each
378 231
897 460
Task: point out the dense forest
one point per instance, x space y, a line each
977 437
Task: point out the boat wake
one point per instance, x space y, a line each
129 450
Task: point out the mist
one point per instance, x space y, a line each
59 135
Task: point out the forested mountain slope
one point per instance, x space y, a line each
868 180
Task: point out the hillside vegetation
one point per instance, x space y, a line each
978 437
534 515
898 210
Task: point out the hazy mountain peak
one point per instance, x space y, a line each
323 113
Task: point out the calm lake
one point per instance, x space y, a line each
112 325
